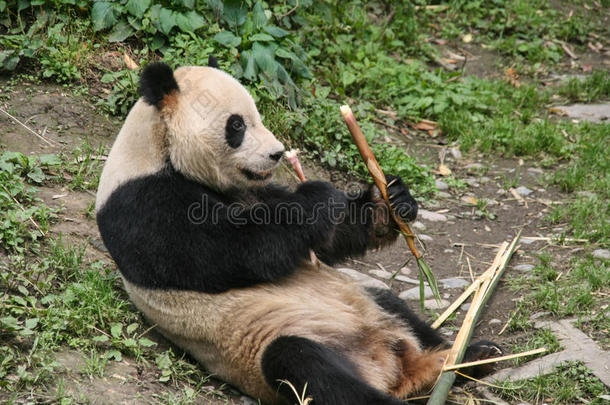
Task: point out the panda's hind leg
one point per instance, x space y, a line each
427 337
330 377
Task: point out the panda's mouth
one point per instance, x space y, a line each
259 176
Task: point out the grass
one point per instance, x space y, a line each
571 383
381 59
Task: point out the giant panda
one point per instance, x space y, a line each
217 256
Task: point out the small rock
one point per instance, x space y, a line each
413 293
448 251
494 321
524 191
524 267
431 216
491 202
465 307
587 194
446 295
455 152
453 282
405 270
363 279
441 185
527 241
484 179
601 254
419 226
472 182
442 194
434 304
424 237
539 315
381 273
406 279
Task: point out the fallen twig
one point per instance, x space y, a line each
495 359
28 128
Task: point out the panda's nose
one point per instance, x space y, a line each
277 155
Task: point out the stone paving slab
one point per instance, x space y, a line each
577 347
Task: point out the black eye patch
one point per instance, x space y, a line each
235 130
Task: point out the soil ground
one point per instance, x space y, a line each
466 234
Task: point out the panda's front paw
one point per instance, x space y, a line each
403 204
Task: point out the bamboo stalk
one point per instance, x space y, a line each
495 359
377 173
451 309
380 181
292 157
445 381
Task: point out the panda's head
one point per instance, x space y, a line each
213 131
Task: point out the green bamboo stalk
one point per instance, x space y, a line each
446 380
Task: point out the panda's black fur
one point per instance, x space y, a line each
213 275
167 252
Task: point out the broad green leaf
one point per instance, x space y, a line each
227 38
275 31
36 175
11 62
283 53
299 68
258 15
116 330
167 20
263 56
190 4
131 328
234 12
100 338
130 342
146 342
103 15
137 7
190 21
22 5
121 32
347 78
248 64
114 354
261 37
49 159
31 323
2 6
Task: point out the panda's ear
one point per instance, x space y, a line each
213 62
157 81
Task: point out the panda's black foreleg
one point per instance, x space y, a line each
428 337
330 377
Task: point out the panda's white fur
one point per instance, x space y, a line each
358 346
190 135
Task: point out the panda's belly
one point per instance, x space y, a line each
229 332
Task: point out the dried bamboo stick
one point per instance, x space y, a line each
292 157
379 179
445 381
495 359
467 293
